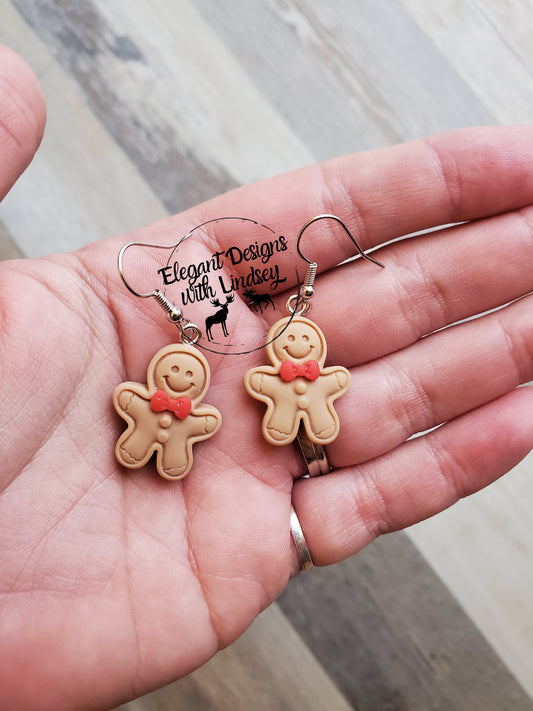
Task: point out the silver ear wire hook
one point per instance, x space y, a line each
298 305
341 223
307 290
189 332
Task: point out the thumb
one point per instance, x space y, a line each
22 117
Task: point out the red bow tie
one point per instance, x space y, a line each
161 401
289 370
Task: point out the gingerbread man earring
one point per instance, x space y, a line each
298 388
166 416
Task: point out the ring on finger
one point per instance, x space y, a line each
314 455
306 562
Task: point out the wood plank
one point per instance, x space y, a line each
192 134
512 22
268 668
400 640
347 75
482 550
81 186
486 44
8 248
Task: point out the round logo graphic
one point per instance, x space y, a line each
224 292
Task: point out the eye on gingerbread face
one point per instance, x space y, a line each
180 375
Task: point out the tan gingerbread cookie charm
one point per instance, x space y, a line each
297 387
166 416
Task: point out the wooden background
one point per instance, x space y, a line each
155 106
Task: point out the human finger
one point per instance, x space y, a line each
429 282
435 380
22 117
452 177
345 510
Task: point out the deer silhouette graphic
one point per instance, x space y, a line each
258 299
219 316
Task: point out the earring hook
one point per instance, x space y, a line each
188 331
151 246
173 247
341 223
307 290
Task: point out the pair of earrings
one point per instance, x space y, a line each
167 415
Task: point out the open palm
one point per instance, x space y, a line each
117 581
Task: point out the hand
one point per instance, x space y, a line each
116 581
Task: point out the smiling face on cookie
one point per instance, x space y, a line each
301 340
180 371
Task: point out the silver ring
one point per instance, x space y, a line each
306 562
314 455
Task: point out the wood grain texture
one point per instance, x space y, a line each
81 186
154 107
347 75
8 248
169 121
269 668
481 549
393 637
485 44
